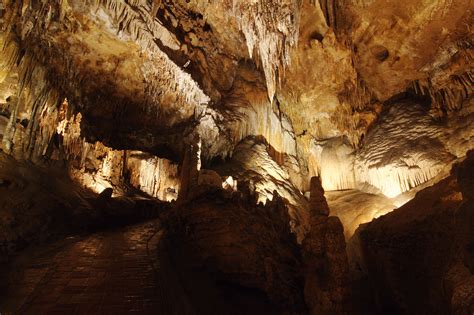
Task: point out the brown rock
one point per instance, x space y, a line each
419 257
241 243
325 259
210 178
189 172
326 267
318 204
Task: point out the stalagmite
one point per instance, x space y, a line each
325 259
155 7
317 202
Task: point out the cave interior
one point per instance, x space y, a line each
236 157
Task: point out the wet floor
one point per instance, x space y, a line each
112 272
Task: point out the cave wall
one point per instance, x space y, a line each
428 239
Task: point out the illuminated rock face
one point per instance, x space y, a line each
252 165
98 167
94 165
337 165
167 85
405 150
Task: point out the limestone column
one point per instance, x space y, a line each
325 259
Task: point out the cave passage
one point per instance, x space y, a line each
236 157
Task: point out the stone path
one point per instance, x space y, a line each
111 272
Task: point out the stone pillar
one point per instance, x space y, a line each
189 172
325 259
317 201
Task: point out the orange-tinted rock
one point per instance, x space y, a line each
419 257
317 201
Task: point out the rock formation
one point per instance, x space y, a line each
325 260
428 239
240 243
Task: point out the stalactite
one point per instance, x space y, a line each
271 29
8 137
154 9
337 164
329 10
163 75
154 176
259 118
38 99
449 97
394 180
171 94
355 97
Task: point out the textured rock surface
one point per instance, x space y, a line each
38 204
392 49
408 148
354 207
428 239
33 204
325 260
152 82
317 201
243 244
253 164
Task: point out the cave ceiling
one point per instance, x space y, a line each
310 79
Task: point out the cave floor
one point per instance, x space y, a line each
110 272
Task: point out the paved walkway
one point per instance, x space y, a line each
111 272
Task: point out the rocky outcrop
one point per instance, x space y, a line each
97 167
253 163
354 207
35 203
408 147
392 50
419 258
325 262
241 243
